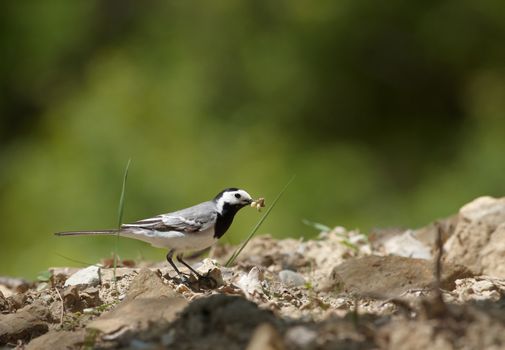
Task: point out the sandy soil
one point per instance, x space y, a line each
342 290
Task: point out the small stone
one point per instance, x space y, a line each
90 276
291 279
47 298
89 311
481 286
265 337
107 275
168 338
4 304
72 300
182 288
5 291
17 301
15 284
90 297
407 245
301 336
59 280
42 286
140 344
485 296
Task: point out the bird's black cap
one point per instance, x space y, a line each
220 194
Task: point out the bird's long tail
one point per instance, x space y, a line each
82 233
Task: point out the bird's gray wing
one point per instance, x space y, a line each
193 219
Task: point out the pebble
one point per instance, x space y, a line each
265 337
46 298
484 285
301 336
90 276
42 286
291 279
408 246
89 311
182 288
140 344
167 339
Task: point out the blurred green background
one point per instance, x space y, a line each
389 114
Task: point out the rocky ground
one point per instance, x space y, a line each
342 290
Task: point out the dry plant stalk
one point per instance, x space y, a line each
437 308
62 305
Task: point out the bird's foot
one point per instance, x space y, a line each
206 281
194 281
181 278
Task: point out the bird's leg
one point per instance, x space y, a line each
179 259
170 254
205 280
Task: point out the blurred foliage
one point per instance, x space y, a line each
390 114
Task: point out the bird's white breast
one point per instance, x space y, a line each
180 241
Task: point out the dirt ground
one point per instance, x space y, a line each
343 290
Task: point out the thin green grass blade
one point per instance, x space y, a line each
258 224
80 262
120 217
123 193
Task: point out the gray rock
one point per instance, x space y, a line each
90 276
301 336
291 279
390 276
407 245
58 340
148 284
488 209
478 241
107 275
135 314
265 337
208 323
27 323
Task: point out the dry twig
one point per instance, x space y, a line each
62 305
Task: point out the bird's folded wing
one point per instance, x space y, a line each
172 223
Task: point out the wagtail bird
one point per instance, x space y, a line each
194 228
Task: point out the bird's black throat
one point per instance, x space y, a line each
225 218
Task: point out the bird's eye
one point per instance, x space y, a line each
237 195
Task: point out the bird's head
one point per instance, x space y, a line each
232 197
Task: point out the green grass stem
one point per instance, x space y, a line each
120 218
258 224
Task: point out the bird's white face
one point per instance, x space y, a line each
233 197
